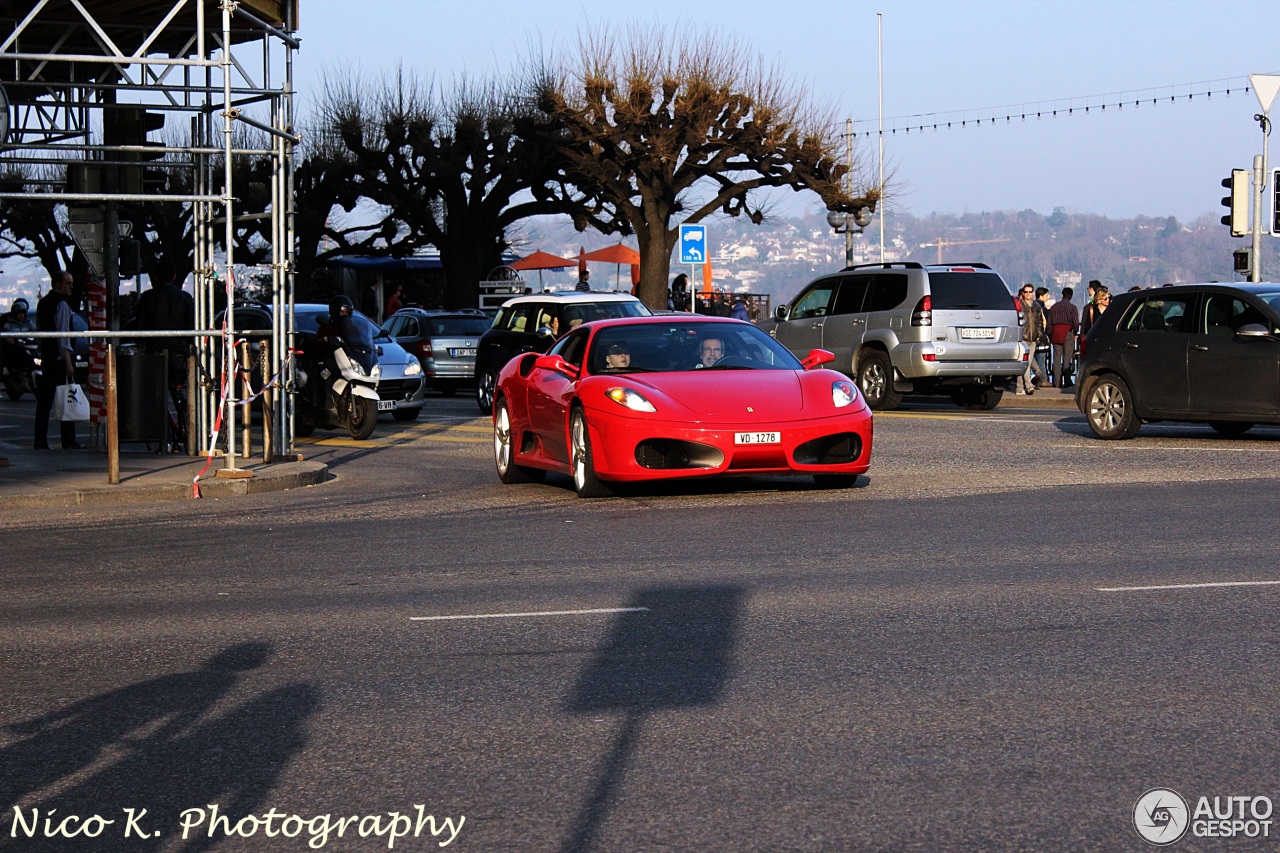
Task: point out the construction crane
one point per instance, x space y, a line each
940 243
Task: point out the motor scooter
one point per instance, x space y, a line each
19 366
336 387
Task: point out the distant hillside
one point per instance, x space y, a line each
780 255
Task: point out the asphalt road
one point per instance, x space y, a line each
950 656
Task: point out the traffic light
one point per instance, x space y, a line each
1242 261
129 262
130 126
1238 202
1275 203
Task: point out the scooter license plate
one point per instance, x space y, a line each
386 405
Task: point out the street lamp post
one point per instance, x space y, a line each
848 224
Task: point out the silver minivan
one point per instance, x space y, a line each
900 328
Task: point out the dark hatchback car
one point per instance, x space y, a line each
1202 353
535 322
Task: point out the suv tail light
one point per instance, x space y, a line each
1017 304
424 349
923 313
1082 340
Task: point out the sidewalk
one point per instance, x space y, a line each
53 478
1044 398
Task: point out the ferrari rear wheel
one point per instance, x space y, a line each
585 482
504 451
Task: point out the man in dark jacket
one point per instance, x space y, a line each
1034 326
57 360
167 307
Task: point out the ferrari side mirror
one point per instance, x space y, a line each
557 364
817 358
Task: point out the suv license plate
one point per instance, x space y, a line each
980 334
386 405
757 438
462 353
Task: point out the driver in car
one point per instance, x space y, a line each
711 351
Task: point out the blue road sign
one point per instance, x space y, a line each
693 244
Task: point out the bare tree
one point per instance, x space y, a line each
453 169
663 127
34 227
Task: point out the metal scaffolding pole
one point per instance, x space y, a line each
71 71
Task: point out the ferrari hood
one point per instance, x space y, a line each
745 395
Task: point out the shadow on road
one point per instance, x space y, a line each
675 654
163 752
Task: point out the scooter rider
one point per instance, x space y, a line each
12 353
342 327
18 319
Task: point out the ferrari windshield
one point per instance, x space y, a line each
686 345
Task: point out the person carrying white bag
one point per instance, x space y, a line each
58 366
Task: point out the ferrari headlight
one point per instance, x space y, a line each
631 399
842 393
413 369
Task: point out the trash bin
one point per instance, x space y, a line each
141 380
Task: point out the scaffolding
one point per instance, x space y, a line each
86 81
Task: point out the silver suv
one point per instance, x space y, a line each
900 328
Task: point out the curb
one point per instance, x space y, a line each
300 474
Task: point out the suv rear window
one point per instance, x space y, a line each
984 291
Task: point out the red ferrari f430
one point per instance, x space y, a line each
674 396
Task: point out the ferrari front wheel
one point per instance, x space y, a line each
585 482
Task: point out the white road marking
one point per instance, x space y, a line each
1185 586
539 613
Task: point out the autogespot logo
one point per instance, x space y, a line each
1161 816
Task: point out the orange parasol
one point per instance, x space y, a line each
618 255
541 261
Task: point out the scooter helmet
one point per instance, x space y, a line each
340 306
20 306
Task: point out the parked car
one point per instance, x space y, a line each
534 323
670 397
1202 353
901 328
444 342
401 389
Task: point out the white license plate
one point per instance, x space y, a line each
462 353
386 405
757 438
978 334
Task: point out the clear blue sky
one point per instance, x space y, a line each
939 57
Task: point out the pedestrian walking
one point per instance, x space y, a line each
1091 311
58 364
1064 324
1034 325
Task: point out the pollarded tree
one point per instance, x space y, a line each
451 169
31 227
669 128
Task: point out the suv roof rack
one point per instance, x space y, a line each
906 265
976 266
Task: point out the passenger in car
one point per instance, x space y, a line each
618 356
